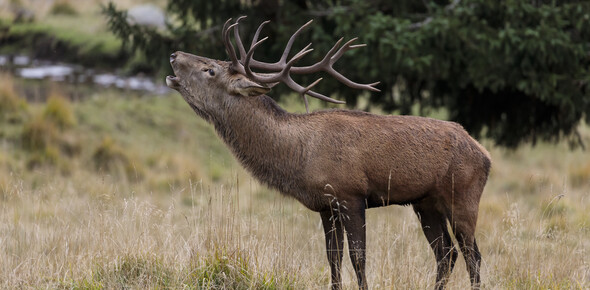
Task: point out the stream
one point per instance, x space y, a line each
36 79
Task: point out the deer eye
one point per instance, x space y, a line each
210 71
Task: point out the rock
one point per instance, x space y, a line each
147 15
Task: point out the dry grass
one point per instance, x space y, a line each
183 226
78 231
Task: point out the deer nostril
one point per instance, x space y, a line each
172 57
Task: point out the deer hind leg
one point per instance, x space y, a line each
334 244
463 225
463 219
434 226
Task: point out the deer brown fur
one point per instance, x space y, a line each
341 162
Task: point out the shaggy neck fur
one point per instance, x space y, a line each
256 126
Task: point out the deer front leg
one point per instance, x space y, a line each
354 224
334 243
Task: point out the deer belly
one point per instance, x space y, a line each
401 187
379 199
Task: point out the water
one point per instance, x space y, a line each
51 72
48 74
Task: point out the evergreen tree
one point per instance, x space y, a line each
511 70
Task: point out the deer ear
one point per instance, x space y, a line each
247 88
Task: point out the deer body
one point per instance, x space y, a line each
387 159
341 162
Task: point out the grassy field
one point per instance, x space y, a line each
67 31
123 191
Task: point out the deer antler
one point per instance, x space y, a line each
280 70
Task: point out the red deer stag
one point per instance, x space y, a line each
340 162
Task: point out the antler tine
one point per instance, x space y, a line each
330 70
239 43
277 66
346 47
255 38
299 55
224 29
249 56
292 40
331 57
237 65
351 84
229 47
225 36
306 90
274 77
324 98
286 78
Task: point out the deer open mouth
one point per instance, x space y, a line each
172 82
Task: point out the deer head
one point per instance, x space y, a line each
198 78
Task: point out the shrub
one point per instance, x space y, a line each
63 7
47 156
59 111
12 107
69 144
44 137
38 134
108 156
580 176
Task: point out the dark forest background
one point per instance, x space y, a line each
512 71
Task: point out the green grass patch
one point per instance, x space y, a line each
231 270
65 39
63 7
217 270
155 139
133 272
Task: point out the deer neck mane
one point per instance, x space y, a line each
242 118
257 131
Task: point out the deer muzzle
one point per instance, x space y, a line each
173 81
